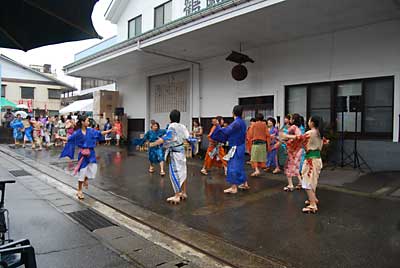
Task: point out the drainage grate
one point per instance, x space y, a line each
90 219
19 173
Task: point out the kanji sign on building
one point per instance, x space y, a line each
192 6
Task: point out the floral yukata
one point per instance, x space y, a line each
294 150
313 163
156 154
235 134
87 165
174 150
215 153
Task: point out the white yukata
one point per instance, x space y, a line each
175 150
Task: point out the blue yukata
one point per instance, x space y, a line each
17 125
173 139
272 156
235 134
28 134
303 154
88 166
156 154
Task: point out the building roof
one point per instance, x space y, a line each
117 6
50 78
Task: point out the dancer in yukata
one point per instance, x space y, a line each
235 134
173 142
85 138
156 154
17 127
313 141
215 152
272 156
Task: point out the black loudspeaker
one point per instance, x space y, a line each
119 111
355 103
341 104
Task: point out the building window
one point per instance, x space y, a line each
254 105
135 27
366 105
27 93
3 91
87 83
54 93
163 14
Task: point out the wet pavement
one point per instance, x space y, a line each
350 230
57 240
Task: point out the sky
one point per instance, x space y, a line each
62 54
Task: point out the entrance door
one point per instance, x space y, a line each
254 105
168 92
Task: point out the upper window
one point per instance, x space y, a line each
364 106
87 83
3 91
27 93
135 27
163 14
54 93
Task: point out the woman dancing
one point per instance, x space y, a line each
215 152
85 138
294 151
259 136
313 142
272 157
156 154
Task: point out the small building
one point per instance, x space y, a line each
23 85
317 57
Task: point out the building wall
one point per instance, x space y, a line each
13 93
145 8
369 51
364 52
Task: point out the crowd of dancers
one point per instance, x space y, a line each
43 130
263 140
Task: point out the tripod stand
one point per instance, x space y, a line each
354 159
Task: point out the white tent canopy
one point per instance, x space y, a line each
78 106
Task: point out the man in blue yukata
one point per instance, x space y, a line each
235 134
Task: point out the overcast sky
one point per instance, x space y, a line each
63 54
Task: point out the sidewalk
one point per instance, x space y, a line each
352 229
66 233
58 241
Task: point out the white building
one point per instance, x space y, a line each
307 53
23 85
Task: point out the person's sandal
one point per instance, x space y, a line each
244 187
230 191
204 172
298 187
276 171
174 200
307 202
80 195
151 170
310 209
162 173
255 174
288 188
